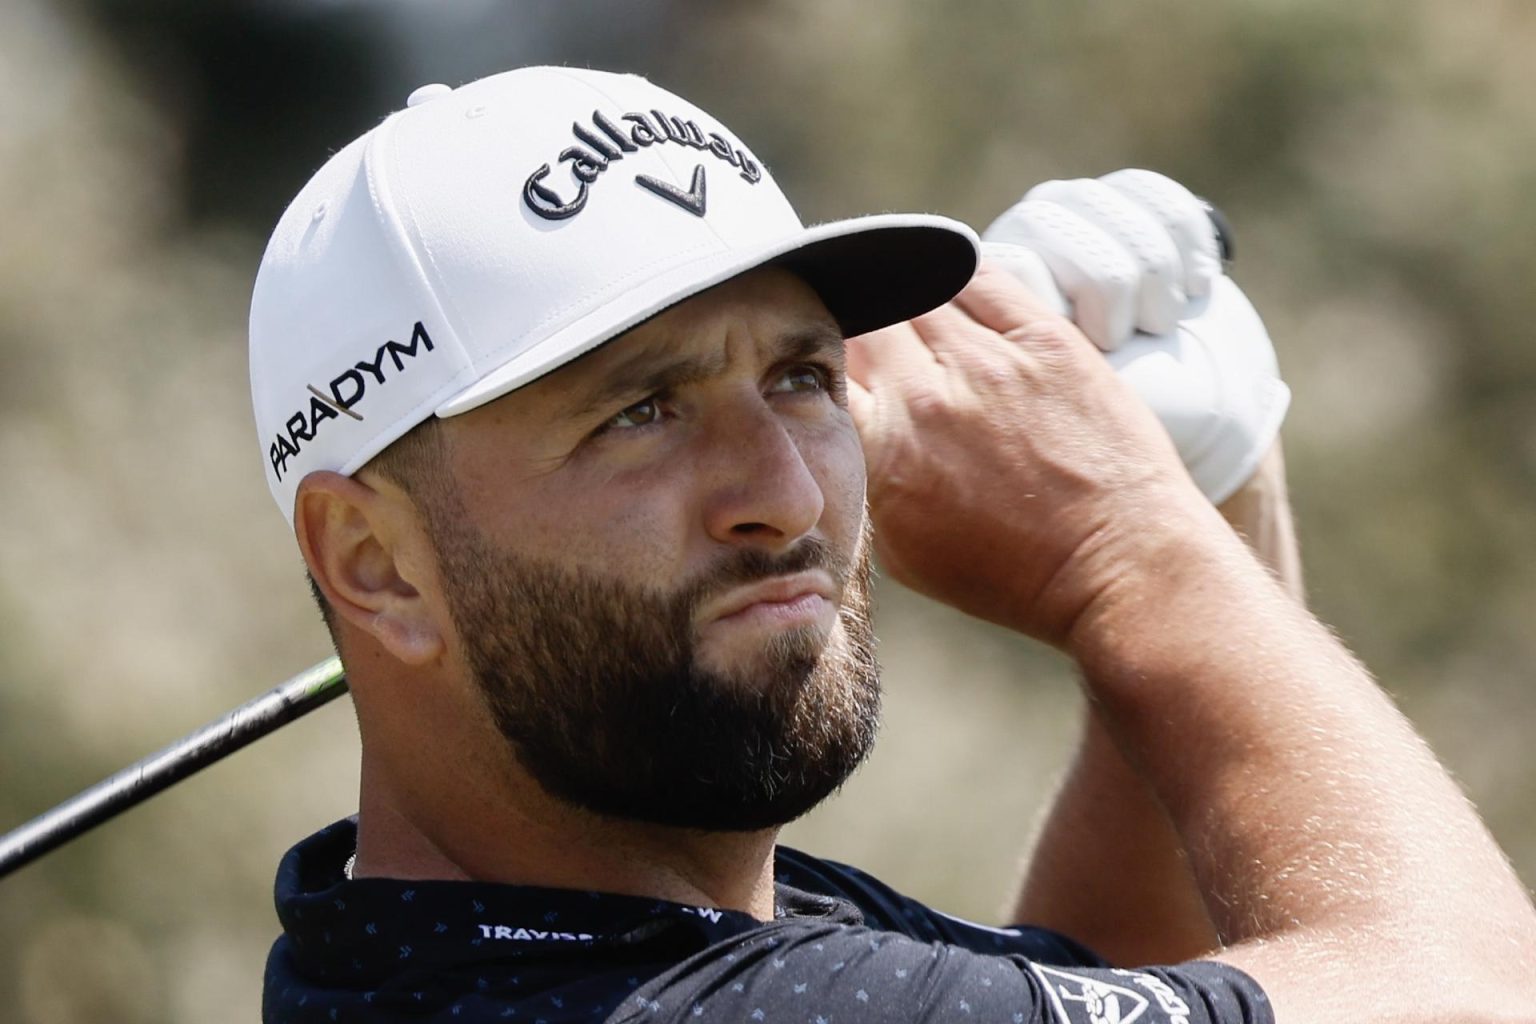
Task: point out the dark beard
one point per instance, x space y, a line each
597 688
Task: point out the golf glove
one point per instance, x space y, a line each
1134 260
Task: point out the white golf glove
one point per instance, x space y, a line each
1133 258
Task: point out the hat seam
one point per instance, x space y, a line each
446 302
407 238
408 258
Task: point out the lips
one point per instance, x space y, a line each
798 594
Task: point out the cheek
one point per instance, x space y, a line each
644 523
836 459
623 525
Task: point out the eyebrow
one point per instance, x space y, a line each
651 372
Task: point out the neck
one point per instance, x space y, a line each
533 839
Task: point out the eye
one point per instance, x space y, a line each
802 378
644 413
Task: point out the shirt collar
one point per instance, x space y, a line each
371 927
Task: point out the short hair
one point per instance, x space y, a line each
415 463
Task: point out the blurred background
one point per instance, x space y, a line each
1377 159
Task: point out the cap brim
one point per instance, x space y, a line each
870 272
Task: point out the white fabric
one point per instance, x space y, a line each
488 234
1134 260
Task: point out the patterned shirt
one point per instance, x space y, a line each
843 949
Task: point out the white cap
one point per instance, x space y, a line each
489 234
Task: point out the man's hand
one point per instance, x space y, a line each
1133 259
1010 470
1013 476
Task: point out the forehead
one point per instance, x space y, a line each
765 310
765 299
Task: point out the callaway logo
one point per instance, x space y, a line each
607 142
341 396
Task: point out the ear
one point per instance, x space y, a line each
367 553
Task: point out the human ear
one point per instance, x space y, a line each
363 548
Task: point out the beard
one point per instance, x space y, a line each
597 688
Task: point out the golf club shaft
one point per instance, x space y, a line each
247 723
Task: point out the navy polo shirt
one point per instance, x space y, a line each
843 948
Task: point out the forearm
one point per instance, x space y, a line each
1108 868
1261 514
1335 856
1107 865
1320 829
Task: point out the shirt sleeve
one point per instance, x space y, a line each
797 972
885 909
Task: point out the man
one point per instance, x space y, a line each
553 388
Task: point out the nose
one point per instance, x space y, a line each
762 493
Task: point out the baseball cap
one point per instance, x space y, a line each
488 234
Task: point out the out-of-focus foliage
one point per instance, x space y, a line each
1377 158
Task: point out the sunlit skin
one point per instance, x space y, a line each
1327 845
718 425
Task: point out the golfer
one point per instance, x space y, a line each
560 399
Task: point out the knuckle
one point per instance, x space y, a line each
996 375
1043 335
926 404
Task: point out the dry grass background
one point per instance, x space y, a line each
1377 161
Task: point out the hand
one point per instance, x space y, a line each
1011 473
1134 259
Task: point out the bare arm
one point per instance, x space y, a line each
1260 512
1107 865
1108 868
1338 862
